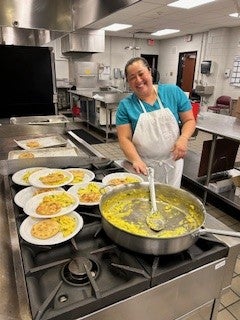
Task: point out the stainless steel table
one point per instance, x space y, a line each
219 126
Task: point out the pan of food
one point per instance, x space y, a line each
125 209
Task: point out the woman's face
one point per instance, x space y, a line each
140 79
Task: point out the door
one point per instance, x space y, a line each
186 70
153 63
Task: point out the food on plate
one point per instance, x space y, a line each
54 178
45 229
33 144
25 155
28 173
48 208
42 190
48 228
66 223
122 180
91 193
78 176
52 204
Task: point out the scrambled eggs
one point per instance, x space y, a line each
128 211
91 193
67 224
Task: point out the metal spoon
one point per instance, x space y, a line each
153 220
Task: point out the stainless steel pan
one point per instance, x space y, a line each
124 210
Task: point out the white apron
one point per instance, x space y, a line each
154 137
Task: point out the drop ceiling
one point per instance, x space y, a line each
148 16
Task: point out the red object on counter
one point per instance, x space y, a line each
76 111
195 108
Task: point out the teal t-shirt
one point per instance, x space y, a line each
172 97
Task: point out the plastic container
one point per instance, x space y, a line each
195 108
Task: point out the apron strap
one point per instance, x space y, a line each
158 99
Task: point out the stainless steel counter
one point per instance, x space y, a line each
13 302
219 124
107 97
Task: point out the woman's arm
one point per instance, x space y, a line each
124 133
189 125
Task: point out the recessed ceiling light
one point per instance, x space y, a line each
117 27
164 32
188 4
235 15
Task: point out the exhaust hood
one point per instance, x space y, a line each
84 40
35 22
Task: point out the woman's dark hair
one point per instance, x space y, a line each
136 59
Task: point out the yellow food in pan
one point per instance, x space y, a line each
128 210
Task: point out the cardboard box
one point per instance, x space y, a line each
238 109
236 182
221 186
235 108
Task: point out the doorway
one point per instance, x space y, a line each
186 70
152 60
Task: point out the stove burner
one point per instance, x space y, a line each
78 271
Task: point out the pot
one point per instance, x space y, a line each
124 210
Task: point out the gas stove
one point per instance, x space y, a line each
90 277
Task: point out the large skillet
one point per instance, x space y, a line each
124 210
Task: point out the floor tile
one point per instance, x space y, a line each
236 285
229 298
225 315
235 309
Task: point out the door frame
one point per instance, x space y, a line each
152 60
182 55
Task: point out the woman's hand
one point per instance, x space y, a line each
140 167
180 148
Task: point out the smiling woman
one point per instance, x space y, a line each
156 112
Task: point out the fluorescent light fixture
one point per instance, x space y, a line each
234 15
164 32
188 4
117 27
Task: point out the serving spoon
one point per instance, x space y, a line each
153 220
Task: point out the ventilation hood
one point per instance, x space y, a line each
35 22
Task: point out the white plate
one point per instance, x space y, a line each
19 175
32 204
27 224
121 175
81 186
27 193
36 182
88 175
44 142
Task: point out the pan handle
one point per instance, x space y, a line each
220 232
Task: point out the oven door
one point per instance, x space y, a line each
189 296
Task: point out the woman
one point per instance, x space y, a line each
148 124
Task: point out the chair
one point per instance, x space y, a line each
222 103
